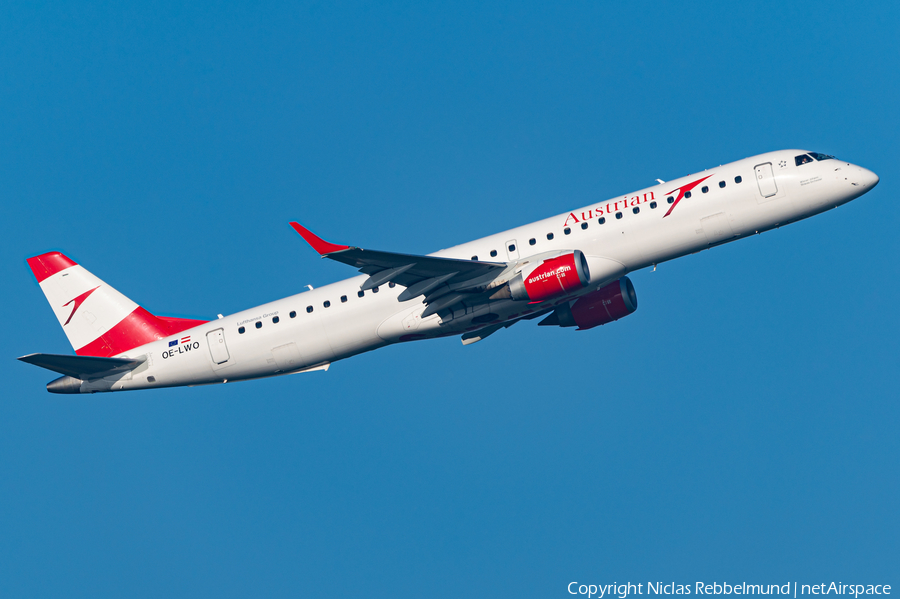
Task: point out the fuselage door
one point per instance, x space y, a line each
766 180
217 348
512 250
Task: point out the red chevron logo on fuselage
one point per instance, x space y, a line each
681 191
78 301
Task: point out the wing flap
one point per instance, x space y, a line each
423 286
443 301
383 276
476 336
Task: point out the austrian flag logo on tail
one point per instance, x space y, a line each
77 302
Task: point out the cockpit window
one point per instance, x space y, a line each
803 159
818 156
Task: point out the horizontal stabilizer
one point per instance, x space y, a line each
82 367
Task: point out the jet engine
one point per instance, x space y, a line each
604 305
551 278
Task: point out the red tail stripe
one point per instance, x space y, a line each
47 265
134 330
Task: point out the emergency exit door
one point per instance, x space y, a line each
512 250
766 180
217 348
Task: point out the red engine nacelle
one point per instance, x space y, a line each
605 305
551 278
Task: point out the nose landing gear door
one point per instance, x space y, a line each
218 350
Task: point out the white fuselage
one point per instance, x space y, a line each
772 191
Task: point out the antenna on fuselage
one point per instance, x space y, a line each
660 181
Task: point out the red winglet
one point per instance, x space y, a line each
317 243
47 265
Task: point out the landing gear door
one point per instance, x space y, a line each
218 351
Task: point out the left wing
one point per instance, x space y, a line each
443 281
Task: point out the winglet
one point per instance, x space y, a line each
317 243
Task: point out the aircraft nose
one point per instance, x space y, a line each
868 178
860 177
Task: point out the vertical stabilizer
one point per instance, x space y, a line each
97 319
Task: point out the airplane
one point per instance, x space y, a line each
569 270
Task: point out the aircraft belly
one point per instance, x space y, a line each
352 333
407 322
313 341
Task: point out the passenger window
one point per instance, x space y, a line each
802 159
293 314
652 205
704 189
360 293
721 183
738 179
549 235
635 210
343 299
532 241
475 258
618 215
326 304
241 330
567 230
601 220
670 199
258 324
308 309
584 225
374 289
512 247
275 320
493 253
392 284
687 194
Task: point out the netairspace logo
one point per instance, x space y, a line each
791 589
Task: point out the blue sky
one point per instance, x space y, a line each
740 426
